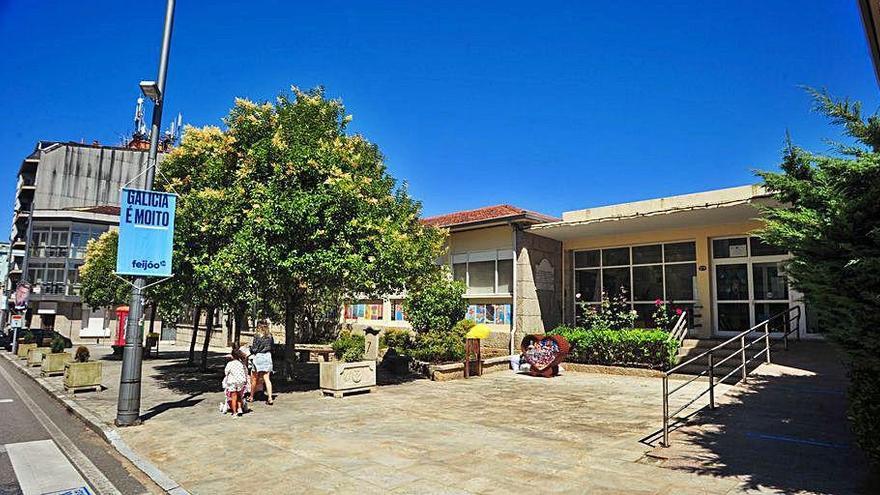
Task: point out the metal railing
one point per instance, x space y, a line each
786 318
680 329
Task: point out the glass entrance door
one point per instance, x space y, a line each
749 285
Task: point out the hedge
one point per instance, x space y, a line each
629 347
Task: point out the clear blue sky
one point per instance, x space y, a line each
548 105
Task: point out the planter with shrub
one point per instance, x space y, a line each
81 374
53 362
349 373
644 348
396 342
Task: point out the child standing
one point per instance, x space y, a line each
235 381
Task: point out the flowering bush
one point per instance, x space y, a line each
613 313
634 346
665 316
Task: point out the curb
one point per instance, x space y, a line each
110 435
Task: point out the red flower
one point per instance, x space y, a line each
678 311
658 302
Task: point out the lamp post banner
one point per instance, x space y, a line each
146 233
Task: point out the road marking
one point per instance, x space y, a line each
85 466
41 468
5 401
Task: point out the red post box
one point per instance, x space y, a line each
121 320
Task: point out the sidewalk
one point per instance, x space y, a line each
501 433
785 431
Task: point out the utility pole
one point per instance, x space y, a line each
128 408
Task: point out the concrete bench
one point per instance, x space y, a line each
324 351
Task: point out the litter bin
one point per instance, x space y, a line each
119 339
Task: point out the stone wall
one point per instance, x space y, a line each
538 302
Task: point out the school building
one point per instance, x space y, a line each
527 272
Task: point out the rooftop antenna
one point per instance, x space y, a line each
140 127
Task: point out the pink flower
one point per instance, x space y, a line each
678 311
658 302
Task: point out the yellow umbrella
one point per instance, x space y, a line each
479 331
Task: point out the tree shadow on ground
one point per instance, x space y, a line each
178 377
784 430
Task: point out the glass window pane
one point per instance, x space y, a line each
733 317
764 311
681 282
730 248
647 283
482 277
769 281
761 248
647 254
505 276
680 251
615 279
732 282
459 272
586 286
644 314
584 259
617 256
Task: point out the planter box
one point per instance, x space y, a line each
79 376
53 363
339 378
24 348
35 355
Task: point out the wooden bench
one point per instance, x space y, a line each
324 351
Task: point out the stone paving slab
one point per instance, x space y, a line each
501 433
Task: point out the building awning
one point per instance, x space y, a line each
725 206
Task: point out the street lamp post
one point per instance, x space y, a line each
128 409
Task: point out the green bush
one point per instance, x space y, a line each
864 408
651 348
349 347
614 312
437 346
57 344
82 354
396 338
28 337
435 302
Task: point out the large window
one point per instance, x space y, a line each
369 310
667 272
750 284
498 314
485 272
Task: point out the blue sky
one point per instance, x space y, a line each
548 105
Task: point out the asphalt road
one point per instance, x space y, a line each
45 448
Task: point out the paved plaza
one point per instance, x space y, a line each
501 433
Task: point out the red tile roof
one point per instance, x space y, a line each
486 214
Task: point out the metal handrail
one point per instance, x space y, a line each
792 314
680 329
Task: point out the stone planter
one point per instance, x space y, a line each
338 378
53 363
35 355
24 348
81 376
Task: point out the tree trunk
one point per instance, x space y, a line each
240 317
197 314
228 330
152 316
289 335
209 329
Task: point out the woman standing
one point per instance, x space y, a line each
261 357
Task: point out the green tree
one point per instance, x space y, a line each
286 208
100 287
829 219
435 302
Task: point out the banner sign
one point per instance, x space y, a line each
146 233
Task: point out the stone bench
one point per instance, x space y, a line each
324 351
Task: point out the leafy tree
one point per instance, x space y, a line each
100 287
286 208
435 302
830 221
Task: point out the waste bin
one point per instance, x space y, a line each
119 338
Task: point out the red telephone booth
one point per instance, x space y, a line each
121 320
